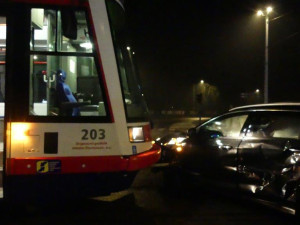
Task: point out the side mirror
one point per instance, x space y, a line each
192 132
215 134
204 134
212 134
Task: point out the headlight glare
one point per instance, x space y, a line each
176 141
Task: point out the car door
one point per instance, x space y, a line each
269 156
212 152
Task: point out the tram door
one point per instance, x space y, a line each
2 93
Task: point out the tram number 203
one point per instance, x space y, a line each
93 134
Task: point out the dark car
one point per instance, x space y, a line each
253 149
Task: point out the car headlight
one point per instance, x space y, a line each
176 141
179 148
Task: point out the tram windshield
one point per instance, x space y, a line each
136 108
64 80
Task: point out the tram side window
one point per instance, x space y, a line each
63 82
136 108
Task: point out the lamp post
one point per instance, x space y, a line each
266 13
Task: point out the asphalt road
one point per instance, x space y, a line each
149 202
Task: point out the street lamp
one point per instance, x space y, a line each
266 13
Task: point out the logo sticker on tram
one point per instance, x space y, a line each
134 150
49 166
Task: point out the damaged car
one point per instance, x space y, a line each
253 150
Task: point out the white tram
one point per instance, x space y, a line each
73 118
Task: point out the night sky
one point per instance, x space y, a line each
180 42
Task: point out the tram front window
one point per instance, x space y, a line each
65 86
64 80
136 108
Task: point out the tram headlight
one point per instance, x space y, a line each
140 133
136 134
19 131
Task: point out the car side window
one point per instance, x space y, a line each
274 126
226 127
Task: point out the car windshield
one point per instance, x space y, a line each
136 108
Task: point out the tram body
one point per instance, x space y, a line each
74 121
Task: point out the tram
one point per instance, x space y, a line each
74 122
